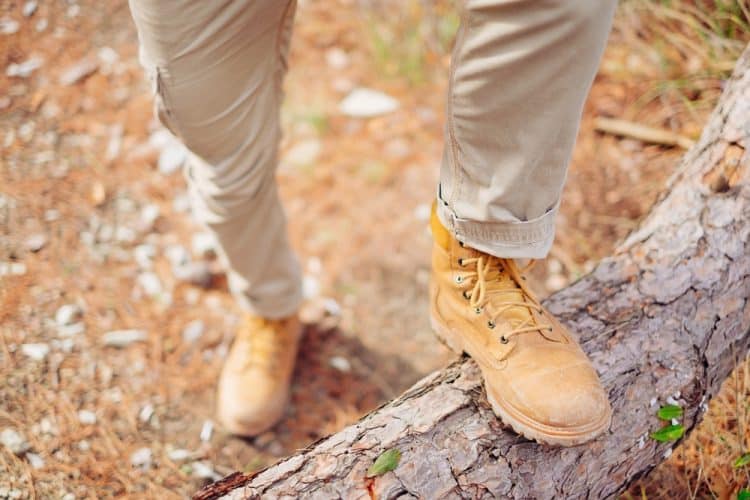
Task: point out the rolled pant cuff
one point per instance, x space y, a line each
271 308
508 240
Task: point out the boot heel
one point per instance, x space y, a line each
444 335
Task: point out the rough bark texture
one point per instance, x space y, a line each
667 315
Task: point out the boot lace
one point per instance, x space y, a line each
263 343
497 284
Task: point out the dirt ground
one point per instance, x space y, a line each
93 217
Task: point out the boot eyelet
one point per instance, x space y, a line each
503 339
459 279
490 324
466 295
461 262
478 310
461 244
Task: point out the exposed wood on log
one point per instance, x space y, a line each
667 315
642 132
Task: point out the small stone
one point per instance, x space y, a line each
193 331
144 255
68 314
12 268
29 8
303 153
73 10
146 413
195 273
422 212
672 401
337 58
149 214
667 453
123 338
554 266
36 461
107 56
204 245
141 458
555 282
9 26
14 441
41 25
171 158
35 242
340 363
150 284
37 352
124 234
87 417
51 215
24 69
310 286
204 470
366 103
179 455
70 331
206 431
84 445
177 255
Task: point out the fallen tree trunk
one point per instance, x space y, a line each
668 315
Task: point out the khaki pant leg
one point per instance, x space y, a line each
216 68
521 71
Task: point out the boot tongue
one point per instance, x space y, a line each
498 278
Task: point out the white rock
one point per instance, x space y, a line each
303 153
87 417
331 306
125 234
36 461
8 26
365 103
310 286
150 284
123 338
204 244
653 402
84 445
14 441
41 25
146 413
204 470
422 212
177 255
107 56
171 158
35 242
12 268
160 138
144 255
337 58
70 331
672 401
141 458
193 331
29 8
667 453
340 363
37 352
196 273
149 214
73 10
51 215
24 69
68 314
179 455
206 431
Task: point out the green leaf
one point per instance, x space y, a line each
743 494
669 412
668 433
742 461
386 462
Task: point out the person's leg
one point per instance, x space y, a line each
217 69
521 70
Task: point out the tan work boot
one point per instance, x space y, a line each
254 383
537 378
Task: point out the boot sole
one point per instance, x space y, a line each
523 426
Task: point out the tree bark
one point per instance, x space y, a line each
668 315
